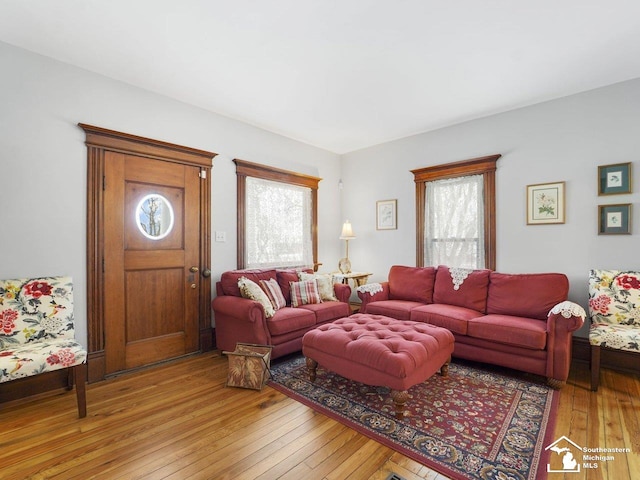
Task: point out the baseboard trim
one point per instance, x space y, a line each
613 359
34 386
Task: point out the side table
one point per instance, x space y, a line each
359 278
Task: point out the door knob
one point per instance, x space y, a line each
206 273
193 269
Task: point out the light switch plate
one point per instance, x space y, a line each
221 236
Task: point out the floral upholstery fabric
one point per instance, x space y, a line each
36 327
614 307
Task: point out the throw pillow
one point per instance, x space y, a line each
251 290
304 293
272 289
325 285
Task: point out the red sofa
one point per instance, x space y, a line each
521 321
239 319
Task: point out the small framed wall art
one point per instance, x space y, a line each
545 203
614 219
614 179
386 215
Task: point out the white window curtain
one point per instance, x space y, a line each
278 224
454 223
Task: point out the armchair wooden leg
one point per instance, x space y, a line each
80 374
70 378
595 367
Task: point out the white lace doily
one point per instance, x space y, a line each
371 288
458 276
568 309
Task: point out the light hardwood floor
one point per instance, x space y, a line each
178 421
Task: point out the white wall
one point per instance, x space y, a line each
561 140
43 164
43 174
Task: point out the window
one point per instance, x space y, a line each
455 205
454 222
277 219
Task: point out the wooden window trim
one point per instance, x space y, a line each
246 169
485 166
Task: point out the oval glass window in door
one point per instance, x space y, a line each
154 216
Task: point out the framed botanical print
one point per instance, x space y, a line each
386 215
614 179
614 219
545 203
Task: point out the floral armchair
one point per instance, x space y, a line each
37 332
614 307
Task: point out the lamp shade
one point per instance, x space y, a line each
347 231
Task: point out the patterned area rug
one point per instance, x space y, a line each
475 423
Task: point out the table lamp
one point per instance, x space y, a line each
347 234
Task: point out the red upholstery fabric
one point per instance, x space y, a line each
400 309
326 311
472 293
450 317
518 331
239 319
377 350
290 319
524 359
526 295
411 283
229 280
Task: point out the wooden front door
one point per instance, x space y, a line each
149 248
152 264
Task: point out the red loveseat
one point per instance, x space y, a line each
239 319
521 321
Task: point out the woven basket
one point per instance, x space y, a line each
249 366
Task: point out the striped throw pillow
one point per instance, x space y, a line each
273 291
325 285
304 293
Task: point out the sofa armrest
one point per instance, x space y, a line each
367 298
239 319
243 309
567 316
342 291
563 319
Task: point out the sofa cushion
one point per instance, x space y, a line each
414 284
251 290
468 289
399 309
304 292
290 319
451 317
229 280
273 291
510 330
327 311
325 285
285 277
614 297
526 295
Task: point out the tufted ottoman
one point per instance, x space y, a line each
379 351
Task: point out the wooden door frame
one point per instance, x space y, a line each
99 140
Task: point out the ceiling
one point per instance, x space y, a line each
341 74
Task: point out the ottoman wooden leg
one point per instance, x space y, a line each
312 365
399 398
444 370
